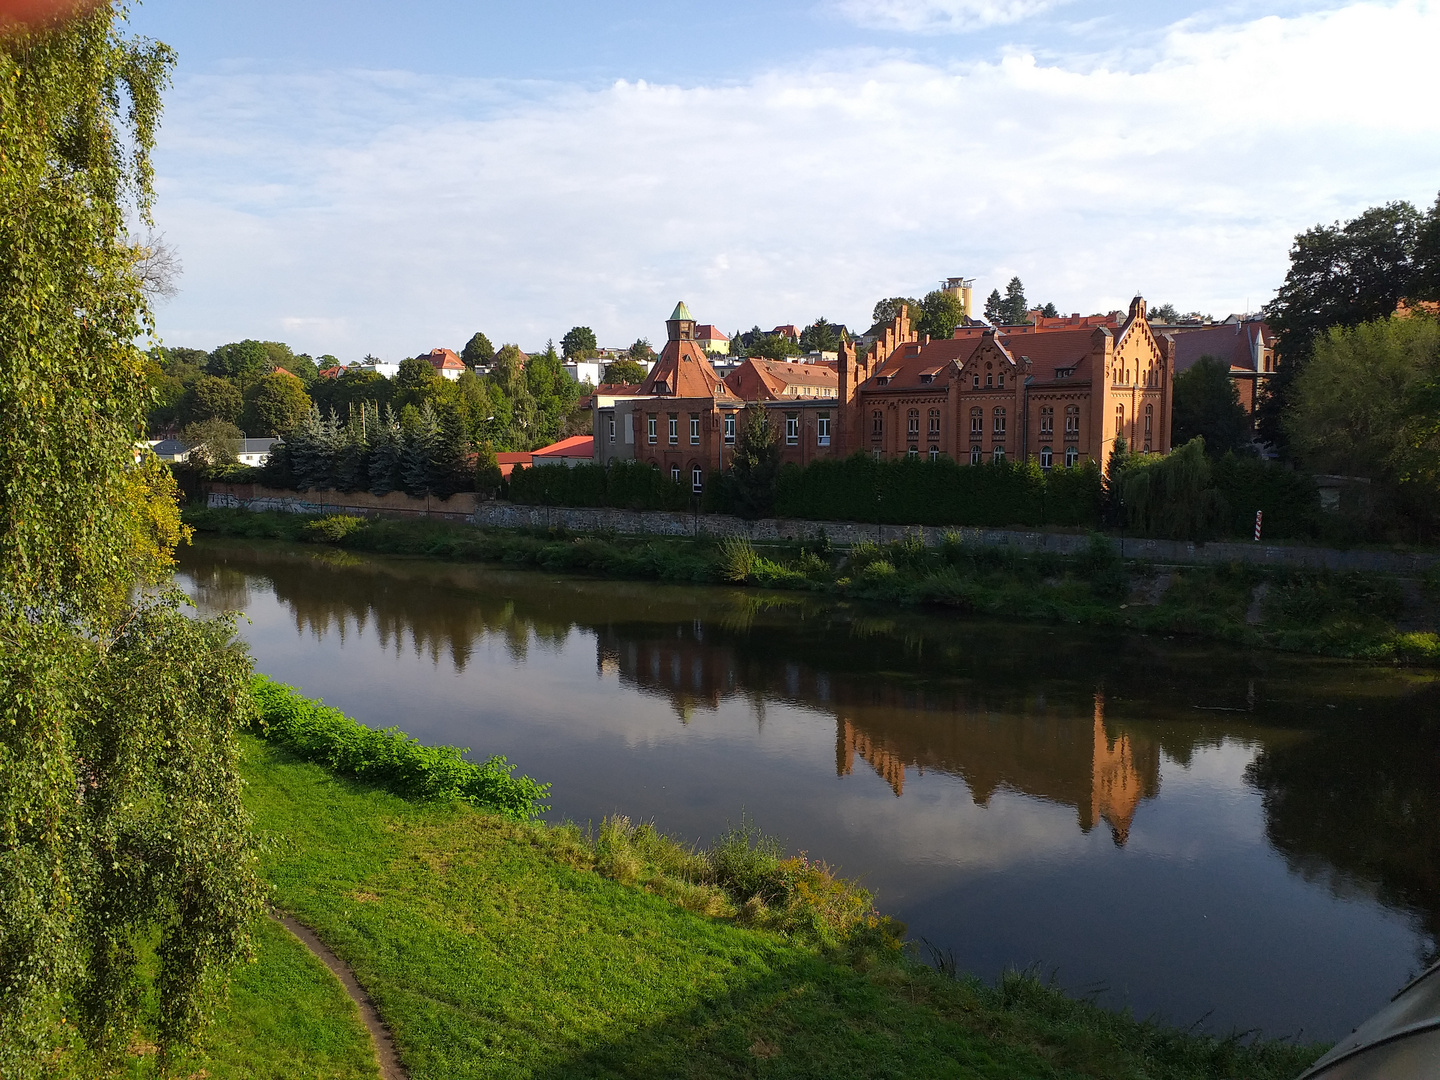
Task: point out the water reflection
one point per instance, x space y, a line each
1265 827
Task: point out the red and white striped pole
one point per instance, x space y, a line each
1258 515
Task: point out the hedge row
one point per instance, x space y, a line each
624 485
918 491
388 757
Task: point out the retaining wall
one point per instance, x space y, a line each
494 514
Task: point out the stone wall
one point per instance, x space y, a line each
495 514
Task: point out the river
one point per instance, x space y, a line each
1238 840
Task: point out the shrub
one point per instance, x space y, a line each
388 757
736 558
334 528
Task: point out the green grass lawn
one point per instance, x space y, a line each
496 949
287 1018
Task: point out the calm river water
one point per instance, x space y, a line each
1237 839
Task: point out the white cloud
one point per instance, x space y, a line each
390 213
951 16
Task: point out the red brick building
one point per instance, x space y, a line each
1057 392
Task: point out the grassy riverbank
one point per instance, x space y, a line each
1356 615
499 948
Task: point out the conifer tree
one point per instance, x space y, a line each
420 439
385 450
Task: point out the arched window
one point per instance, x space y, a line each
697 479
912 423
977 423
999 455
675 473
1002 380
977 380
975 453
934 423
1047 457
1072 421
1047 422
1119 419
999 422
1149 418
877 424
1072 457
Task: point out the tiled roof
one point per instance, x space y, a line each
707 332
683 371
445 360
509 461
1232 343
574 446
755 379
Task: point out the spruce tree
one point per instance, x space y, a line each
420 440
385 449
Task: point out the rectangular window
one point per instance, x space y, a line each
675 473
792 429
912 423
934 452
674 429
822 429
878 454
729 429
697 480
612 428
694 430
934 423
650 423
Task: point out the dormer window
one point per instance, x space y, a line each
882 380
927 378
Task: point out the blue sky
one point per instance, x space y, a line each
384 177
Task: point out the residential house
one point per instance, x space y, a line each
712 340
446 364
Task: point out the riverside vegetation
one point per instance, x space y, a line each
1362 616
494 945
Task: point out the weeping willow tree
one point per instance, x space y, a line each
1171 496
126 867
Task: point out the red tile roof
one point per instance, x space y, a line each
757 380
508 462
444 360
1232 343
684 372
573 447
706 332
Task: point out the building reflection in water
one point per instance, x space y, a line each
1026 745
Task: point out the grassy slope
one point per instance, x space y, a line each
287 1018
493 949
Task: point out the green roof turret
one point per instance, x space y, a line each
681 312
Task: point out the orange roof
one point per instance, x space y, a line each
509 461
618 388
575 446
755 380
330 373
790 330
683 372
445 360
278 370
706 332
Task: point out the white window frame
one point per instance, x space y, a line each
652 422
674 429
822 429
730 429
694 430
792 429
697 479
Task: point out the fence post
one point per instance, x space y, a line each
1259 514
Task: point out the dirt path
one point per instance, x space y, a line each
390 1067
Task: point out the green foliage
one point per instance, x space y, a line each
940 312
1289 499
624 371
488 477
334 528
478 351
736 559
820 336
215 398
417 382
887 311
641 351
579 343
1010 310
772 347
212 442
1368 404
1171 495
277 404
1207 405
242 361
1339 276
389 758
626 485
754 465
917 491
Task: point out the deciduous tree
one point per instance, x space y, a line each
1207 404
478 351
579 343
624 371
277 405
121 826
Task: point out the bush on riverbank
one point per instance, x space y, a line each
1094 588
388 757
624 485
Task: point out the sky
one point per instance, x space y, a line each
376 177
